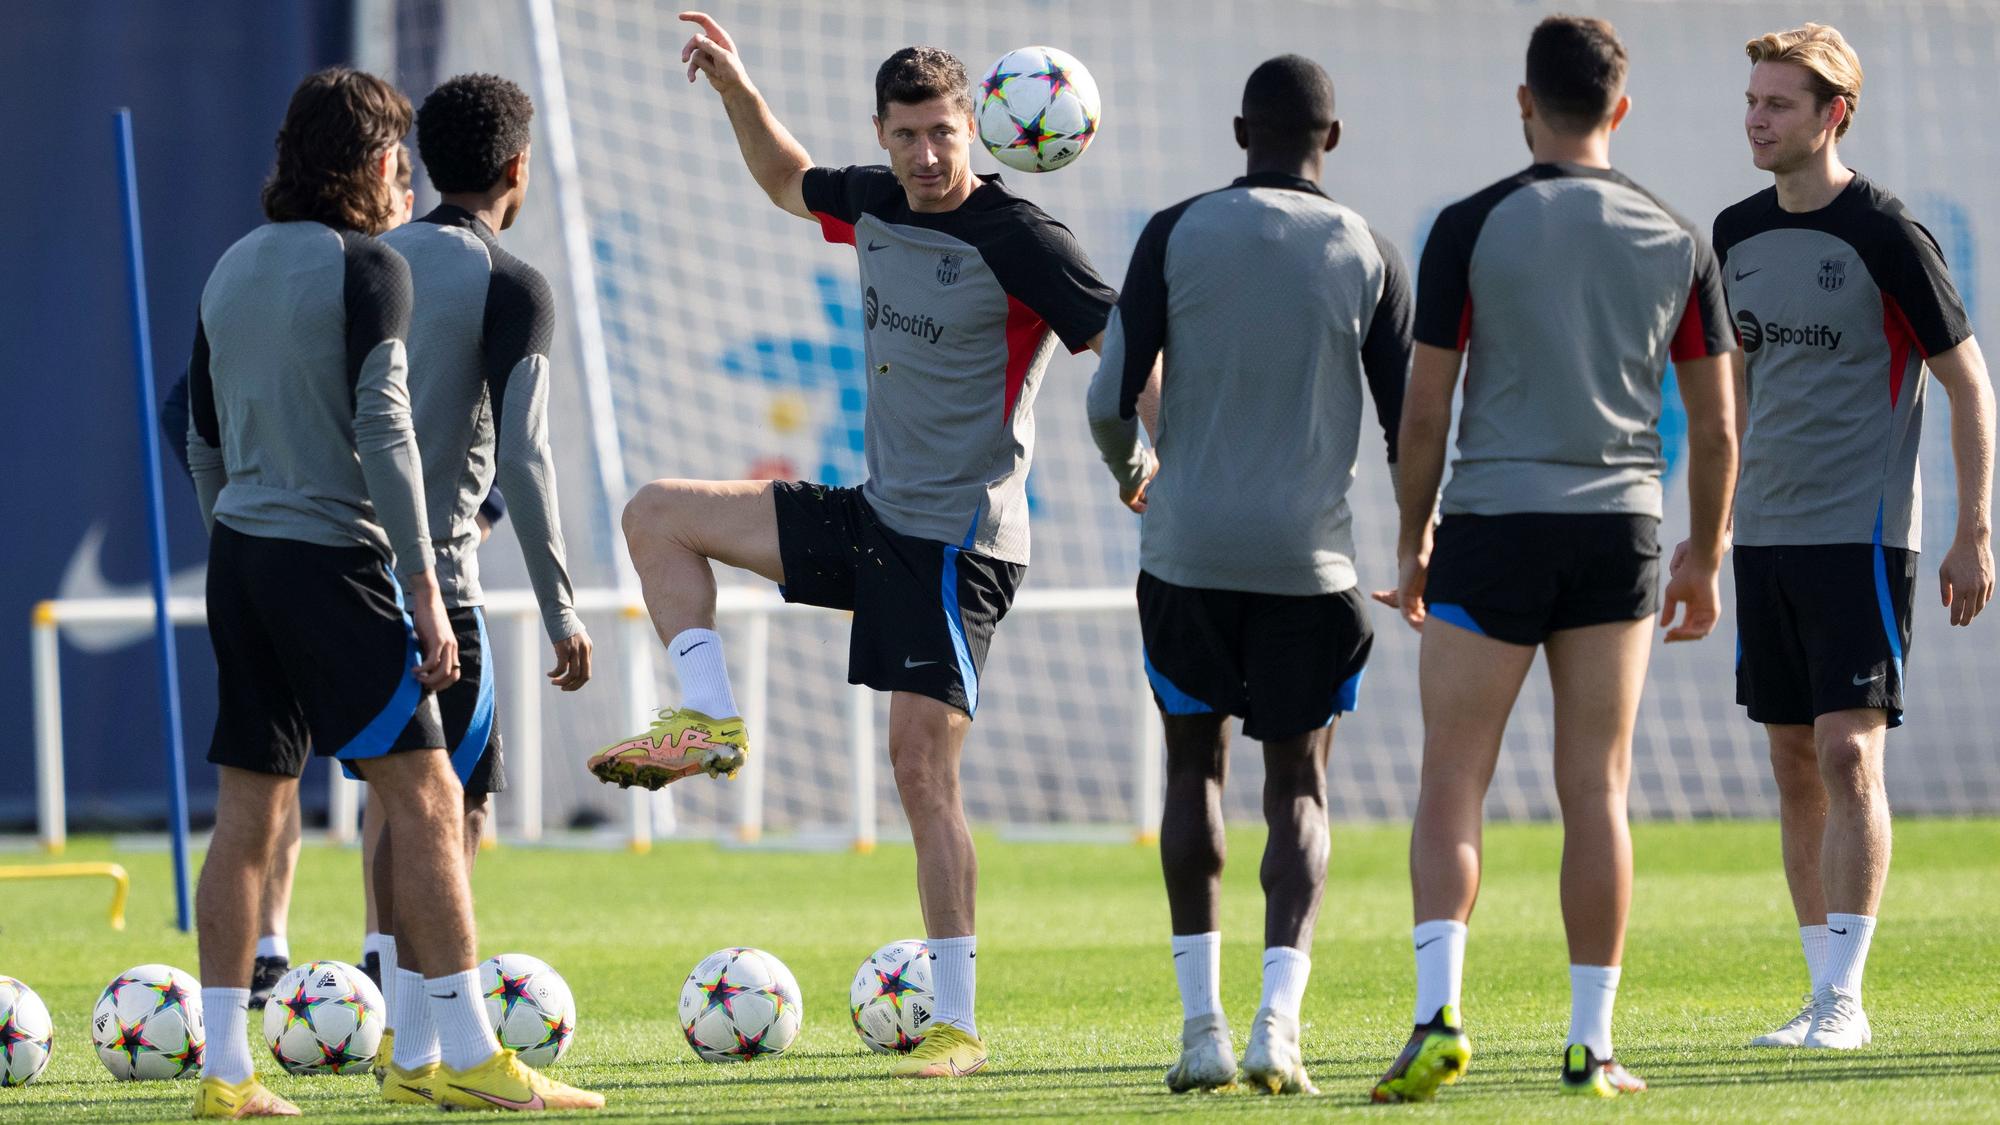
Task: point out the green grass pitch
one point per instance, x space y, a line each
1076 988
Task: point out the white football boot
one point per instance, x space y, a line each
1793 1033
1838 1022
1272 1063
1207 1061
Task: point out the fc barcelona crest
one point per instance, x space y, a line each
948 268
1832 273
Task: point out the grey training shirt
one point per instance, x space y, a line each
1273 305
1569 288
961 311
299 409
1837 310
479 387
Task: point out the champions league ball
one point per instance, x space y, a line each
740 1004
1037 109
325 1017
529 1006
891 999
148 1024
26 1033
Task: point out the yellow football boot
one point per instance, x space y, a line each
680 743
249 1098
946 1052
505 1082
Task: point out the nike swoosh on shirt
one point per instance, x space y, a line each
534 1102
1746 273
872 246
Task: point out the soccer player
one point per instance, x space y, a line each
273 950
1274 305
968 288
479 387
1564 289
1840 299
308 471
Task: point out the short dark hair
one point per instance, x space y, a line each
338 122
1576 71
915 75
1288 105
469 128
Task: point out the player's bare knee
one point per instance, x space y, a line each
1848 769
653 515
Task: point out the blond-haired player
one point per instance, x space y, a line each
1840 298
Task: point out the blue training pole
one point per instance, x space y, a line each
156 522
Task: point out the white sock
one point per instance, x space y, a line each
1813 940
385 951
703 674
274 945
1198 969
371 942
955 978
410 1016
1847 938
460 1014
226 1014
1440 946
1593 989
1285 973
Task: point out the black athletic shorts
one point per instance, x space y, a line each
1286 664
471 723
1822 628
924 611
1517 578
313 652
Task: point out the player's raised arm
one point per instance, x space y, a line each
1965 577
776 160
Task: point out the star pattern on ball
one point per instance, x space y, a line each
1028 134
131 1040
185 1059
336 1057
170 993
352 1001
720 992
1055 75
750 1046
510 990
11 1034
298 1008
905 1043
995 84
556 1031
894 986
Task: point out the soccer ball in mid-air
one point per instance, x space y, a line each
325 1017
740 1004
1038 109
26 1033
891 999
148 1024
529 1006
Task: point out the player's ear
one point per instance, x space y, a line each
1527 102
1242 134
517 168
880 139
384 165
1619 111
1836 112
1332 136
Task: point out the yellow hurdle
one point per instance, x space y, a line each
121 882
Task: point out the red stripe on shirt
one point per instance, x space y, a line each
1465 323
1896 327
1691 338
1025 331
833 229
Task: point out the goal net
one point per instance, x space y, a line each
732 344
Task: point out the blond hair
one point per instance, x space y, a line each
1832 68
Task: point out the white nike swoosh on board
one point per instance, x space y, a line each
84 578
